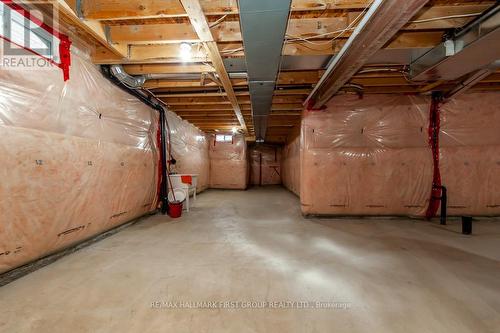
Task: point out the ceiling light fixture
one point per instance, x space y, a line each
234 130
185 51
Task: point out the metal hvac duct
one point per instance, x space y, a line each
133 82
469 50
263 26
137 81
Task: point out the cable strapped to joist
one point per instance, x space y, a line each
434 128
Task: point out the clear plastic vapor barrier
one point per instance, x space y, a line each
366 156
290 162
470 154
228 162
189 147
78 157
265 165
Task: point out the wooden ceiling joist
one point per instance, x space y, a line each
200 25
170 53
221 100
230 31
133 9
381 23
162 83
94 28
146 36
227 107
139 69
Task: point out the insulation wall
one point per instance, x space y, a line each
228 163
290 162
366 156
189 147
470 154
265 165
78 158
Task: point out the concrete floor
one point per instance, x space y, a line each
242 246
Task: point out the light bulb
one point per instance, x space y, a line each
185 51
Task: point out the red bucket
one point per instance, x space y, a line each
175 209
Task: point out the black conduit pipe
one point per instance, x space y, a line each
106 71
466 225
444 202
164 185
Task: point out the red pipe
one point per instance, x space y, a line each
434 128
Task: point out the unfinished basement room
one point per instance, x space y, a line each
249 166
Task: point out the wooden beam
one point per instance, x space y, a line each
93 28
382 21
132 9
321 5
229 30
219 109
200 24
208 114
208 107
158 84
431 12
140 69
170 53
383 81
290 106
153 33
288 92
299 77
205 100
202 94
278 92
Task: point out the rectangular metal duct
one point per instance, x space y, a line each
471 80
472 49
263 26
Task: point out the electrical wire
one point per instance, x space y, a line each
218 21
293 39
338 32
232 50
445 17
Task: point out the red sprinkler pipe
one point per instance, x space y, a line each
434 128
